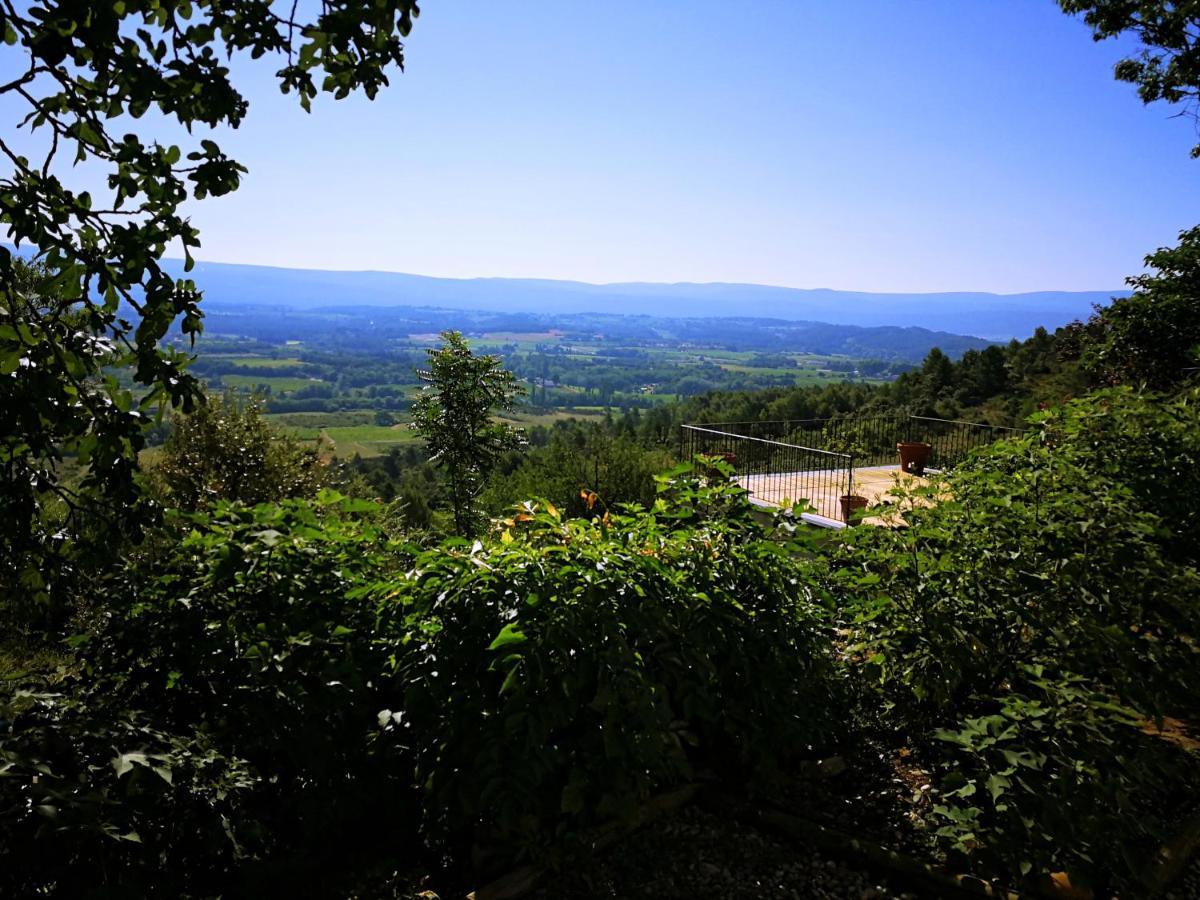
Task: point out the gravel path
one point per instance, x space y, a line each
698 854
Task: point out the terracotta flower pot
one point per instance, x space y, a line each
851 503
913 456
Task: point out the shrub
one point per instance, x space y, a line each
1028 558
226 450
1150 444
1151 337
567 668
1025 632
224 710
94 797
579 465
268 680
1056 777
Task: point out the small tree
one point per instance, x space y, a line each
226 450
1151 337
454 414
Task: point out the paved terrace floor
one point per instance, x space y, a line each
824 488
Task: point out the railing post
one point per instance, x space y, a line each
849 484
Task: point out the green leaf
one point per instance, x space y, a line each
510 680
510 634
123 763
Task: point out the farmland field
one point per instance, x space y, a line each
277 383
517 337
261 362
308 425
529 418
368 440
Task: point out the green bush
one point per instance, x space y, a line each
1150 444
270 685
235 677
1056 777
272 692
1023 631
225 449
581 463
1031 559
69 436
1151 337
559 673
94 798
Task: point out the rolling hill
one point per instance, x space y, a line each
991 316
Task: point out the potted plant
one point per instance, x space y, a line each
851 504
913 456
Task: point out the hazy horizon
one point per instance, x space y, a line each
989 315
680 283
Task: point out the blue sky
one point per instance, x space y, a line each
952 145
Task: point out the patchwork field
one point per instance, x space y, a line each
519 337
353 395
309 425
350 432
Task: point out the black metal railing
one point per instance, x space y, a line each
776 472
952 440
815 459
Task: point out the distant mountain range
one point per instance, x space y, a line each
996 317
991 316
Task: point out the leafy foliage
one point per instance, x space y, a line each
1067 571
1168 66
92 791
286 671
58 404
1152 337
223 712
580 665
258 689
226 450
582 464
1056 777
100 296
1150 444
1023 632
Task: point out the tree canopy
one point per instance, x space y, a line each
1168 66
1151 337
90 73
